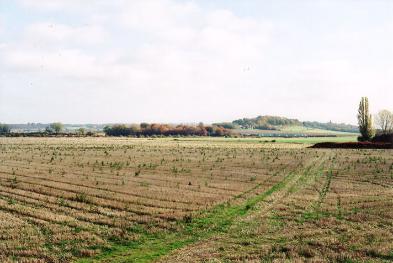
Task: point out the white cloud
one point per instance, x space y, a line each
2 24
212 63
53 32
69 64
50 5
184 27
158 15
186 42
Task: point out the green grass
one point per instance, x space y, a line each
151 246
302 140
307 130
313 140
293 130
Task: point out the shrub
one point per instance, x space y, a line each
384 138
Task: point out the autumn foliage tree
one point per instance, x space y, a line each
156 129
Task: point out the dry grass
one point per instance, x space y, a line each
338 211
67 198
61 199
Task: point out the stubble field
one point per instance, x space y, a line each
186 200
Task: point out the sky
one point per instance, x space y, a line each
188 61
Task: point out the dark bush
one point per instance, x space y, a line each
361 139
387 138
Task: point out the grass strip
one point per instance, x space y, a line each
151 246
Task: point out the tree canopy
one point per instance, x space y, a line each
55 127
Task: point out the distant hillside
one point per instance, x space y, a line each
330 126
276 123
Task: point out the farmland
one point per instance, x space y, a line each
187 200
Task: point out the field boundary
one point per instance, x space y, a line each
353 145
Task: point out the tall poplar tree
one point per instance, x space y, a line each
365 120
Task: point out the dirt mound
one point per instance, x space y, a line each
354 145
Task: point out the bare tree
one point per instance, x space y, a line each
365 120
384 120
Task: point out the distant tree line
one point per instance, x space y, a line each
38 127
276 123
266 122
145 129
53 129
341 127
227 125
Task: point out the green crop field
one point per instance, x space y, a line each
269 140
294 131
193 200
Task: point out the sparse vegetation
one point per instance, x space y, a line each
127 199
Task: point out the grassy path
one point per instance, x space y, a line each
152 246
243 230
217 221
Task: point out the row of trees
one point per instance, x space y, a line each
276 122
331 126
384 121
265 122
58 127
55 127
145 129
